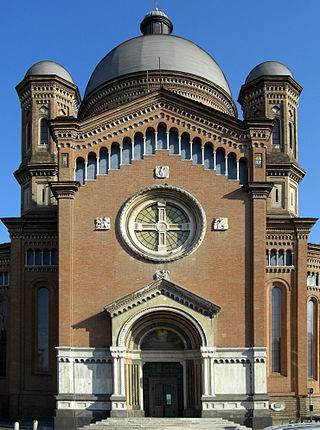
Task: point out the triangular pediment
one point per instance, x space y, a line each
167 289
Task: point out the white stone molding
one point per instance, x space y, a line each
220 224
162 274
161 172
86 372
102 223
234 371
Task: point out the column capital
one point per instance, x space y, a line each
64 189
259 190
208 351
118 351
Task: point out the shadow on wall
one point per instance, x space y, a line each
99 328
241 194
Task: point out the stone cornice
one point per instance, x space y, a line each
295 172
29 170
303 226
64 189
165 288
259 190
39 229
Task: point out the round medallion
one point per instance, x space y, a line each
162 223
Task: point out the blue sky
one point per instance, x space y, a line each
238 34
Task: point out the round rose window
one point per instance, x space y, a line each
162 223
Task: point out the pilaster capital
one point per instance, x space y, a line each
259 190
64 189
118 351
208 351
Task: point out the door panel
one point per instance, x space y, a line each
162 389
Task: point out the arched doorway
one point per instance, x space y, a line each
163 365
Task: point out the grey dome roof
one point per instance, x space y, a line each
269 68
49 68
155 13
142 53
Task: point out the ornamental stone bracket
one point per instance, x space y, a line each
102 223
220 224
162 274
64 189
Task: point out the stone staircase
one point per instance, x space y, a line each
164 423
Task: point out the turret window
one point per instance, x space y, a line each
28 136
44 132
276 137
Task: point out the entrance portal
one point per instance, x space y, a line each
163 389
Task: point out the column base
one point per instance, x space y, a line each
118 406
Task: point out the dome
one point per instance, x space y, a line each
49 68
143 53
269 68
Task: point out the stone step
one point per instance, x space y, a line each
164 423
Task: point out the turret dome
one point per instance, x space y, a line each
269 68
47 67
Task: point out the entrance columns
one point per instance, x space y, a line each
208 386
118 398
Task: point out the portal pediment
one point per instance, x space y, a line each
167 290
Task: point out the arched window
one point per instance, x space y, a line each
115 156
309 279
103 161
273 257
317 279
232 166
150 142
281 258
28 136
54 257
185 147
276 133
196 151
311 339
276 300
80 171
162 137
38 257
30 257
173 142
138 147
313 280
43 330
126 151
267 258
243 171
291 136
44 132
220 163
288 258
208 157
3 338
92 166
6 278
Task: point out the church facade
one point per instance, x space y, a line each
159 266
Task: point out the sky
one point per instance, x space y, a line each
237 34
